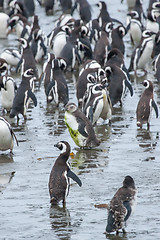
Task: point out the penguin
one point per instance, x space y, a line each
7 136
21 25
79 127
136 28
59 180
96 103
142 53
84 49
121 206
11 56
3 67
84 9
156 46
4 18
118 82
65 20
157 67
117 38
24 93
38 46
89 64
57 89
7 88
145 105
139 9
101 49
27 58
89 75
57 39
17 7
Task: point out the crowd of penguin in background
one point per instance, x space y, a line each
96 49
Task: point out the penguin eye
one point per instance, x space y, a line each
146 84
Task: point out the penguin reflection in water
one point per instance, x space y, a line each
80 127
121 206
145 104
59 181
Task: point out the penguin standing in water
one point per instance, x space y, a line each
121 206
80 128
23 95
7 136
59 181
142 53
57 89
27 58
7 88
118 82
145 104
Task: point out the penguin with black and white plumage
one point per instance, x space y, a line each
121 206
7 136
118 82
24 94
94 31
79 127
57 87
57 39
27 59
142 53
96 103
136 27
20 24
7 88
151 23
145 105
84 10
59 180
89 75
90 63
139 9
12 56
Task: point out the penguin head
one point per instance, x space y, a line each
148 84
63 146
121 30
23 42
28 73
71 107
128 182
91 78
133 14
108 27
101 5
147 33
66 29
62 64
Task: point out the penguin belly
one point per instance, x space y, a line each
72 126
6 140
59 43
7 96
135 33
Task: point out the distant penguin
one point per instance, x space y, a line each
4 18
136 28
7 136
57 89
121 206
84 9
96 103
118 82
145 104
12 56
139 9
27 59
7 88
142 53
59 180
79 127
101 49
17 7
104 16
24 93
152 23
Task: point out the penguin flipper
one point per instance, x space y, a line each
81 129
74 177
128 84
50 85
23 32
154 105
33 97
90 116
128 208
43 47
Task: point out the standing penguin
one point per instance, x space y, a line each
145 104
121 206
117 38
84 9
7 136
80 128
27 58
7 88
142 53
23 95
59 181
57 88
118 81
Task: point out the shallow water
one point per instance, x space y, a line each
124 150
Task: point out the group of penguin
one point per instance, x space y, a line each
96 48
